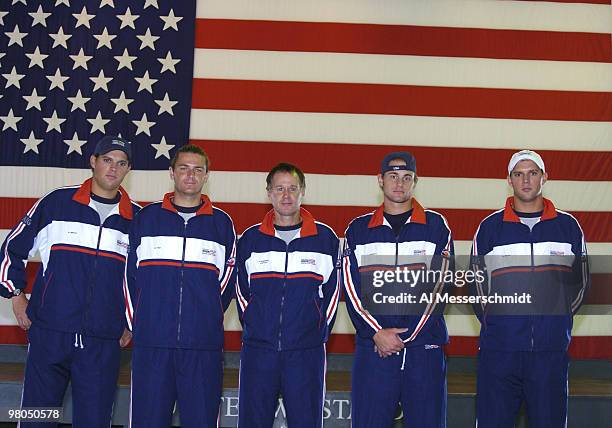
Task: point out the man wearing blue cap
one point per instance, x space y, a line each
398 358
528 246
75 315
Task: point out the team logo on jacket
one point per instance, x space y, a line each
230 262
27 220
209 252
123 245
419 252
556 253
445 254
311 262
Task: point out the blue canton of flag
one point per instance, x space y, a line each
72 71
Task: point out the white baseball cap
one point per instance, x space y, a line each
525 155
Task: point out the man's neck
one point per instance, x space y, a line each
99 191
187 201
287 220
397 208
529 206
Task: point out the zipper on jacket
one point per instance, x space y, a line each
282 303
95 268
532 271
180 309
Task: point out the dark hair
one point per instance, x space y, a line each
190 148
288 168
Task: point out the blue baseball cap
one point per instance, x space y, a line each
110 143
405 156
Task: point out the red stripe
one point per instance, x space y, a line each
358 307
391 99
267 275
600 292
361 159
402 40
289 276
179 264
572 1
582 347
463 222
88 251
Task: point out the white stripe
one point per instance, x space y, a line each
240 298
229 269
463 248
340 128
353 297
171 248
459 320
363 190
129 309
517 15
333 307
402 70
6 260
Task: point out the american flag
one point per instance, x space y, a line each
331 85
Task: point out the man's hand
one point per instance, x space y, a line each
388 341
125 338
20 304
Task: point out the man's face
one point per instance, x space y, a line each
527 180
286 194
397 186
109 169
189 174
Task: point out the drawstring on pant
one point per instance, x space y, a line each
78 341
403 359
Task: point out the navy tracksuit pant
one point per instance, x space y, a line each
298 375
162 376
506 378
415 378
91 364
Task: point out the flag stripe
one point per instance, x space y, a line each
332 190
517 15
463 222
401 40
581 347
401 70
391 99
412 131
349 159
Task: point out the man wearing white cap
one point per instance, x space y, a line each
531 248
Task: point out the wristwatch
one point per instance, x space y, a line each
16 292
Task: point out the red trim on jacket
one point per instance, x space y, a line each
83 196
509 215
418 215
309 228
206 207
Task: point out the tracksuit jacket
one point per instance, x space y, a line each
287 294
553 252
426 233
180 276
79 288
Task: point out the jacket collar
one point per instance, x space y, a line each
309 228
418 215
83 196
206 207
509 215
